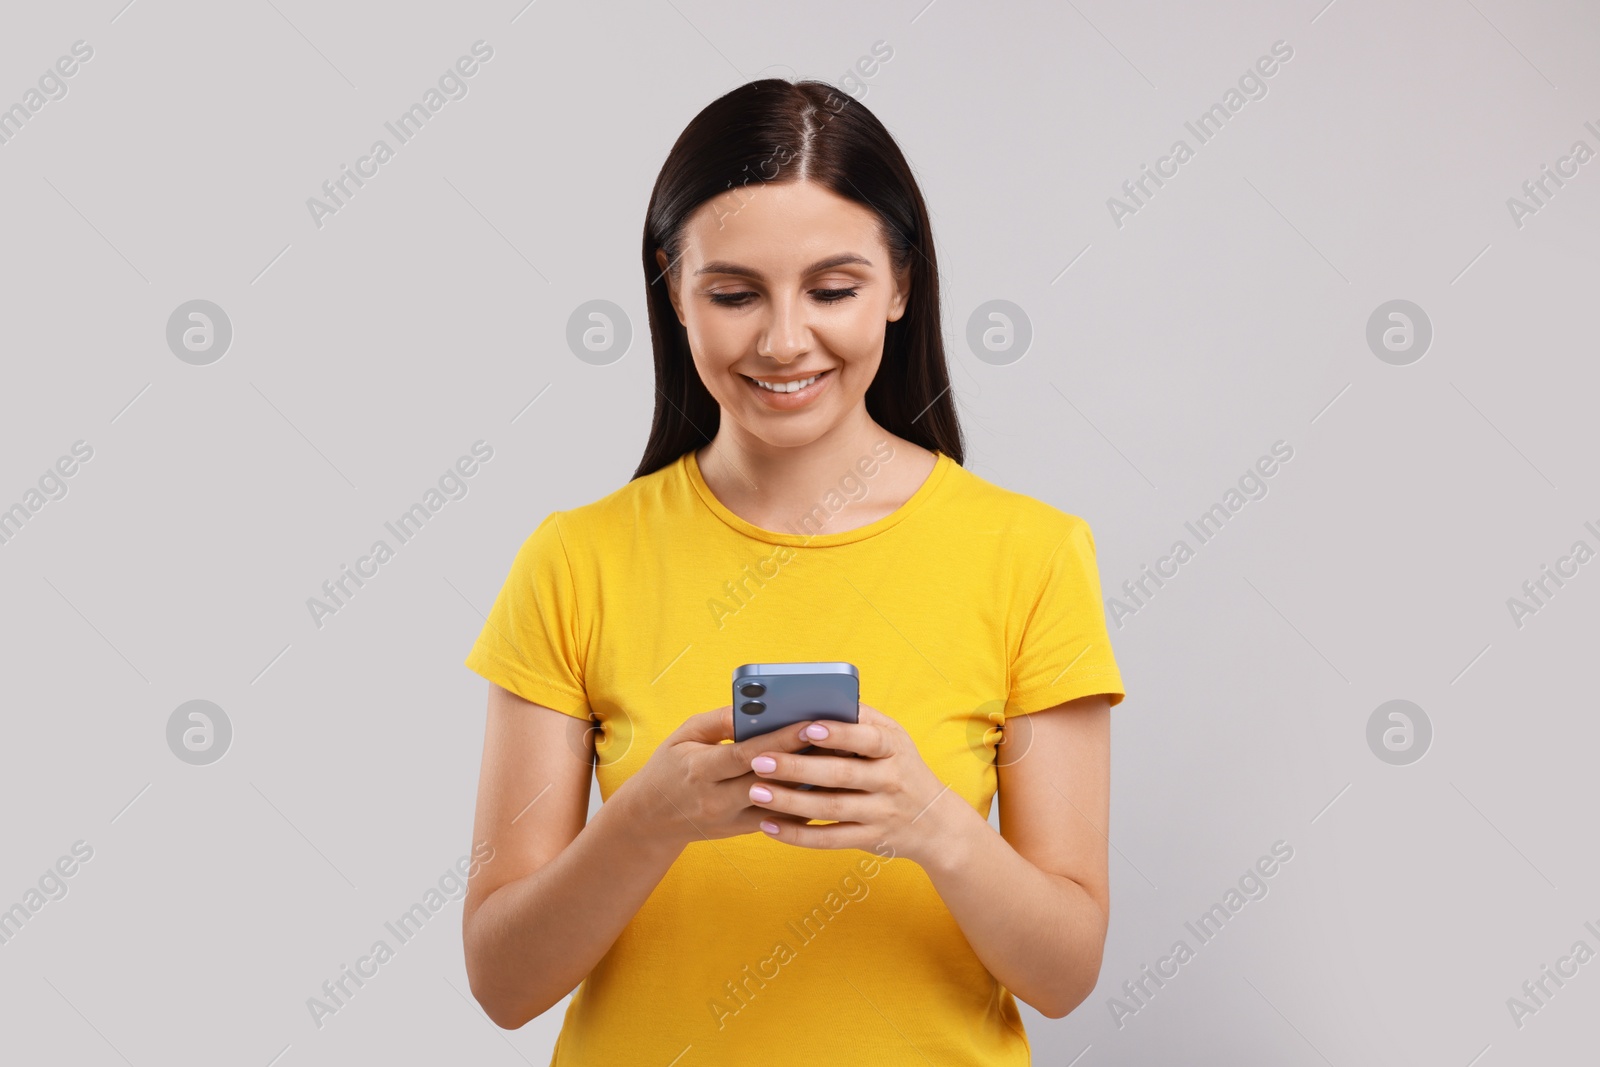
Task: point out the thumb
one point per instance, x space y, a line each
708 727
869 715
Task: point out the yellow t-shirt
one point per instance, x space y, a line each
967 604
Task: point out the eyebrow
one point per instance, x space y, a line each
724 267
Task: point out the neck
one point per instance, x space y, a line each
774 486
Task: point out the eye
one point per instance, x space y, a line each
740 299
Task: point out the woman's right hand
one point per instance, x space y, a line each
696 787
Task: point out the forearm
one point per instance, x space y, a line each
1041 935
533 940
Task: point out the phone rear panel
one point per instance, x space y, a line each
789 693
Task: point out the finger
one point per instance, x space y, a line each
868 713
750 778
844 771
831 807
835 835
871 739
815 750
730 761
782 821
707 727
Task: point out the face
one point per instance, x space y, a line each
786 283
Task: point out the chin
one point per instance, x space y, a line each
787 436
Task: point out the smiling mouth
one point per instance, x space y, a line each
786 387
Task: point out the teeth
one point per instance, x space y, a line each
787 387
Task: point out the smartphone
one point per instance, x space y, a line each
770 696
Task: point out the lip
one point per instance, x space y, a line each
789 401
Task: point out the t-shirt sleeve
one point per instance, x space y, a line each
530 642
1065 651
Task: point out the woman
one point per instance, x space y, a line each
801 498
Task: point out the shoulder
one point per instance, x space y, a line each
1035 526
618 514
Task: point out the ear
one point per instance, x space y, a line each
672 290
902 294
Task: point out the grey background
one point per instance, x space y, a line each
368 355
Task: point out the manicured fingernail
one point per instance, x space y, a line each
769 827
764 763
817 730
761 793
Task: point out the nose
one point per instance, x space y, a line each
785 336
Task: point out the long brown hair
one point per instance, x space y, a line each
777 131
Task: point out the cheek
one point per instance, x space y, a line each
716 346
714 341
856 339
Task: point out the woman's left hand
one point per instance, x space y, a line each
886 795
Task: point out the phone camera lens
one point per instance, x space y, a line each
752 707
752 689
